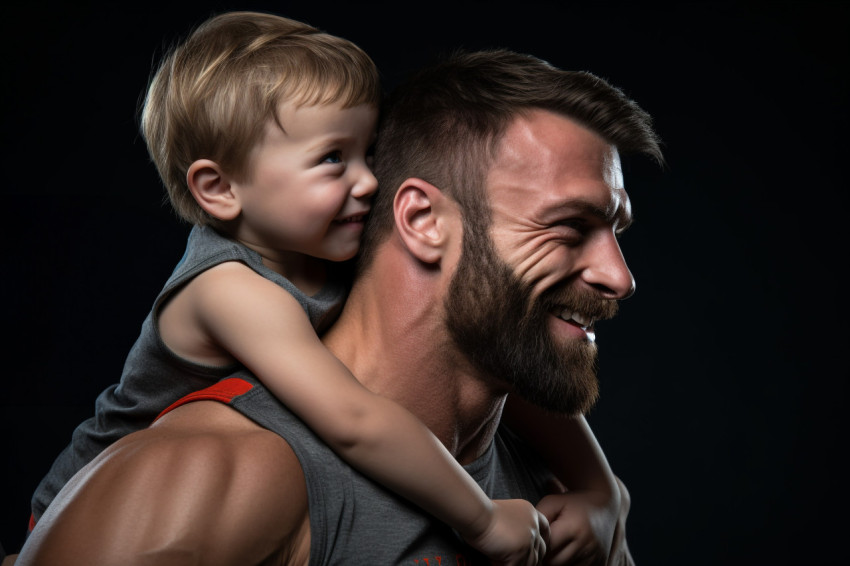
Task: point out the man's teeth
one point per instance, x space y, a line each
567 314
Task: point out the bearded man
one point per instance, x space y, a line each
491 252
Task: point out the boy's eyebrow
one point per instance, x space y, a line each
334 139
330 139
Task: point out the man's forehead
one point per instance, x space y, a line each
546 142
560 163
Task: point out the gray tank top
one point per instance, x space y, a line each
154 377
353 520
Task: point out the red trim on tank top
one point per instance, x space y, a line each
224 392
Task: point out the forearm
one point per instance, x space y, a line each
589 518
620 554
376 435
389 444
567 445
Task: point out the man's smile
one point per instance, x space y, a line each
584 322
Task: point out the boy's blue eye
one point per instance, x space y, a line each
333 157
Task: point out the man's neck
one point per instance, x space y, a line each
390 336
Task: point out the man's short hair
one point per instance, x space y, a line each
444 124
213 94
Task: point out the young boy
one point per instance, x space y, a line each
261 129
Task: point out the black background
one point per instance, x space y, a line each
723 382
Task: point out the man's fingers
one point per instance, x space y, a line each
551 506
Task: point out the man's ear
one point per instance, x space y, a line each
212 189
424 219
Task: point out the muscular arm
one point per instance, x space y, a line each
588 520
202 485
568 446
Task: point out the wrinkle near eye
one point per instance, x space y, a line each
529 255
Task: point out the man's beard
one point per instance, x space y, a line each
505 335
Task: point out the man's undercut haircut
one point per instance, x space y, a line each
213 95
444 125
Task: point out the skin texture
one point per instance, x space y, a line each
242 492
558 201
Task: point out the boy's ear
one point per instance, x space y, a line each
425 218
212 189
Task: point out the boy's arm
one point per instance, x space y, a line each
267 330
203 485
590 516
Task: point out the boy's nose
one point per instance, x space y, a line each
366 183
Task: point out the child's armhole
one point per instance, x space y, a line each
265 328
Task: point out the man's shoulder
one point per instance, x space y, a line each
220 454
203 476
219 436
234 469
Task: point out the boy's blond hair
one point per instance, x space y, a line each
213 94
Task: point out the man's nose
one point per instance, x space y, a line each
606 269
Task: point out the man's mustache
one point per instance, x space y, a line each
588 303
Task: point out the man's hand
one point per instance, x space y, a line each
587 528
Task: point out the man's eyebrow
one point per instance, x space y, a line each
619 215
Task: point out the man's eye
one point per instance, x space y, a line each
574 223
571 230
333 157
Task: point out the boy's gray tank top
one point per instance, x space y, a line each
154 377
353 520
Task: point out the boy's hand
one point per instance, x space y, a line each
516 536
587 528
